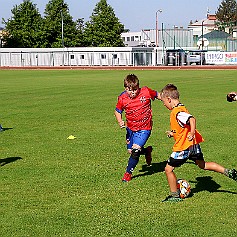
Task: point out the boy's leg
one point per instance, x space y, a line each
171 178
197 156
212 166
138 140
132 163
135 141
129 141
134 158
147 152
172 181
141 139
176 160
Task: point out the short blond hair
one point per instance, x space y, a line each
170 90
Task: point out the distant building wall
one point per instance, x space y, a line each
204 26
91 56
177 38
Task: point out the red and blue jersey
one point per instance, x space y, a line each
137 110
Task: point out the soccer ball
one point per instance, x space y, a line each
184 188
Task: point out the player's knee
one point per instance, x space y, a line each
169 169
200 164
135 153
130 151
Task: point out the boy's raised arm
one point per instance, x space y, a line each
119 118
192 122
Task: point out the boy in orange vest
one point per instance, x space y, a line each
187 139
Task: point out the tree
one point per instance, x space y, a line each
104 28
24 28
80 31
60 29
227 14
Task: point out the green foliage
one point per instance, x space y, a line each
80 32
51 186
227 14
57 16
24 28
104 28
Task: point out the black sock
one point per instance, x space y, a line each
143 151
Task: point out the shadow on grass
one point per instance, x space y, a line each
207 184
8 160
5 129
150 170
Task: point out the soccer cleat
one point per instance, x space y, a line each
127 177
233 174
172 199
148 155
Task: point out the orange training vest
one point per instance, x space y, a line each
181 131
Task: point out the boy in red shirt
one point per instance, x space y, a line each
136 102
187 139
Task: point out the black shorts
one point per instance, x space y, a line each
178 158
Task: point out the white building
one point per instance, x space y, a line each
88 56
166 38
203 26
132 39
175 37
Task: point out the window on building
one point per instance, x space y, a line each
136 38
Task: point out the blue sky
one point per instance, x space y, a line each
134 14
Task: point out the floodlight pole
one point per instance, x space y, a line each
158 11
202 36
62 29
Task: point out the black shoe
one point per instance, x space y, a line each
233 174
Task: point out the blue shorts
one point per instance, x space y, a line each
178 158
140 137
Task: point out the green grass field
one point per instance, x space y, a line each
51 186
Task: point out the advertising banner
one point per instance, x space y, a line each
231 58
221 58
215 57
